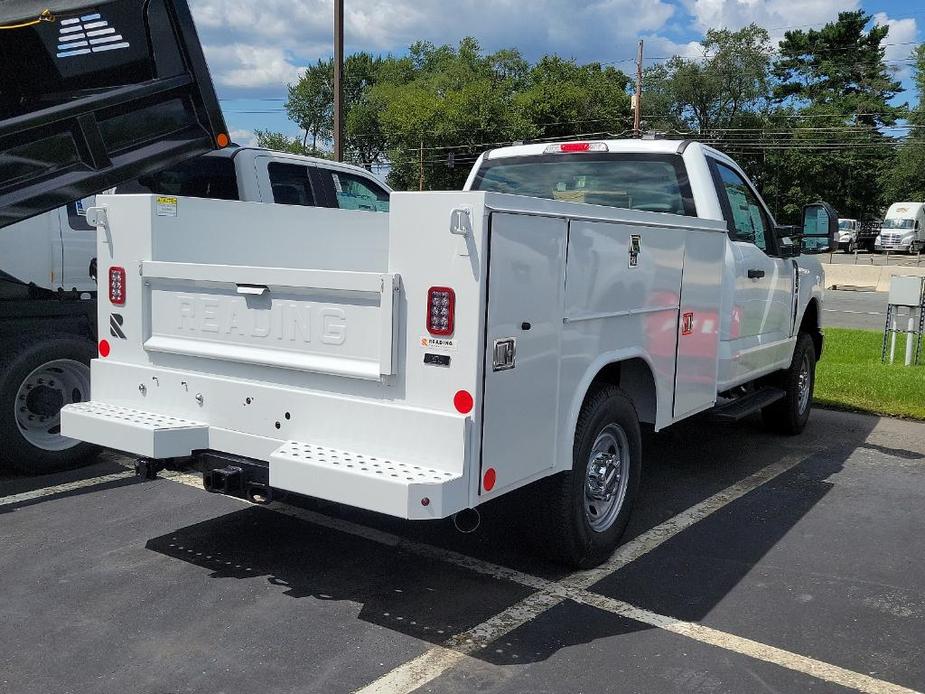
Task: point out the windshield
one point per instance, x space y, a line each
846 224
898 224
654 183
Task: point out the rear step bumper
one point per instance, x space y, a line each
143 433
380 484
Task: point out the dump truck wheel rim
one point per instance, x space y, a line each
40 397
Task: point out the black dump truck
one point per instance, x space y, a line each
91 95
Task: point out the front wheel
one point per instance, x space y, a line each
790 414
586 509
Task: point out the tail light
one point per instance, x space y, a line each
117 286
441 310
573 147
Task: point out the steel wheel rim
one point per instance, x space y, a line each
40 397
606 478
803 384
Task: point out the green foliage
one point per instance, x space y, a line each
833 90
806 126
906 178
715 92
840 67
455 102
283 143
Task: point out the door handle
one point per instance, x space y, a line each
755 274
253 289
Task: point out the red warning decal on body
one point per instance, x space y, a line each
687 324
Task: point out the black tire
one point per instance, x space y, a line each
790 414
18 361
565 531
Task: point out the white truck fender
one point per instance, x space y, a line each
645 396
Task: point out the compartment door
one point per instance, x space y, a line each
699 324
525 309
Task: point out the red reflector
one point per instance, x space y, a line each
489 481
104 348
463 402
575 147
117 286
441 311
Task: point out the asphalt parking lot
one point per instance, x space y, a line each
753 563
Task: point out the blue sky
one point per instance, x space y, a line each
255 48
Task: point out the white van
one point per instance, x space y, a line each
903 228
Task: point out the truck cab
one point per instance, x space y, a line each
903 228
848 230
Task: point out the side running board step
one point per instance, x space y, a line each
742 407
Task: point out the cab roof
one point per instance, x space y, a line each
625 146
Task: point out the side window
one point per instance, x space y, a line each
77 214
290 184
203 177
357 193
748 220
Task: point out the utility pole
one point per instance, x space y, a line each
339 80
637 102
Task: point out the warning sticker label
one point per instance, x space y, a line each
166 206
438 343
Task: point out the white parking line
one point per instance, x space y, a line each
860 313
64 488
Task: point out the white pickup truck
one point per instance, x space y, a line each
463 346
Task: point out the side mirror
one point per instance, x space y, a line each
820 228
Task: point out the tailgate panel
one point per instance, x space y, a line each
320 321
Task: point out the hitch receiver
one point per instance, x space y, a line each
226 480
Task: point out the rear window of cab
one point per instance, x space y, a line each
651 183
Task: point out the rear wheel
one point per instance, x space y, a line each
37 378
585 510
790 414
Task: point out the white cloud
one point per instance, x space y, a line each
903 33
245 138
777 16
247 66
259 45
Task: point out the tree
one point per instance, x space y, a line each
311 103
717 91
279 142
562 99
833 95
906 178
840 67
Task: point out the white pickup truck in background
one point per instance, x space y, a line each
48 330
463 346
